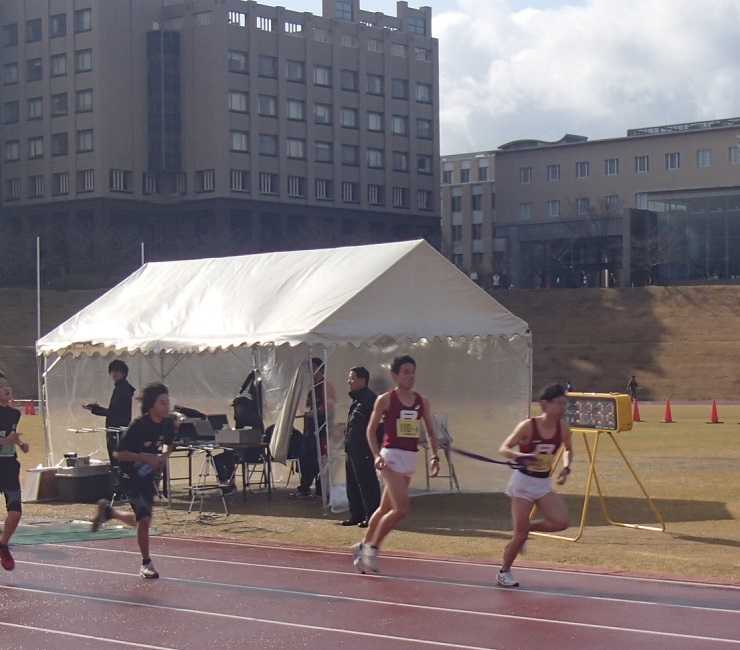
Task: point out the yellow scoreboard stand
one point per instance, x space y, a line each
597 414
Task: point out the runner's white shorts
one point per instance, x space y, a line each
400 461
527 487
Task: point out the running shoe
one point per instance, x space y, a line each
148 571
6 558
505 579
370 558
357 556
102 515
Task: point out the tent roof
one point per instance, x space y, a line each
351 295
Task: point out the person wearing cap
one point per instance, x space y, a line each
246 415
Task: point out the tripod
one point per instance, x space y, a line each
202 486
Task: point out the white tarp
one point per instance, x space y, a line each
201 326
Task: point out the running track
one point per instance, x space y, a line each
219 594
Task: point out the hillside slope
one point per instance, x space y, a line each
680 342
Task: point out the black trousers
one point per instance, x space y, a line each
363 488
309 465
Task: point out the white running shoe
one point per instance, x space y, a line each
505 579
148 571
370 558
357 556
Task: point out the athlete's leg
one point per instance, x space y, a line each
554 513
520 509
394 506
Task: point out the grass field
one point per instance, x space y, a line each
689 468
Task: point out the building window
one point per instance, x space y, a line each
582 169
375 158
612 204
10 35
34 70
238 18
83 60
735 155
374 121
268 145
322 75
11 112
350 155
399 88
525 174
525 210
265 24
704 158
374 45
417 26
33 30
422 54
119 180
59 144
58 65
239 141
641 201
13 189
12 151
321 35
476 202
323 151
268 183
398 49
456 203
350 192
10 74
203 18
343 10
205 180
36 187
296 148
295 71
238 101
268 105
238 62
423 164
239 180
36 147
553 172
60 183
447 177
348 80
642 164
424 93
611 166
296 109
424 199
400 161
59 104
267 66
465 175
400 125
83 20
86 180
582 205
672 161
58 26
149 183
323 188
423 128
84 141
457 233
482 172
375 195
297 186
476 231
374 84
400 197
348 118
553 208
322 113
84 100
35 108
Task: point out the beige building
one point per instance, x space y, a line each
660 205
214 128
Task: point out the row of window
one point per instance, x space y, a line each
582 206
57 27
57 66
476 202
641 166
476 232
59 146
59 106
349 80
465 175
120 180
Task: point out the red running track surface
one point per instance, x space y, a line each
221 594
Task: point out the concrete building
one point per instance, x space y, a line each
206 128
660 205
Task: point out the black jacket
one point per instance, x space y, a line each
355 437
118 413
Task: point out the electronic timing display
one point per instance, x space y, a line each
599 411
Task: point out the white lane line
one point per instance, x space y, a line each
385 602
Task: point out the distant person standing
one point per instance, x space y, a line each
632 388
118 413
568 387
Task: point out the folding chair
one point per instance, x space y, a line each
444 440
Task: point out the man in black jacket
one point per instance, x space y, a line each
363 489
118 413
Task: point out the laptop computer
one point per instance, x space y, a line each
218 421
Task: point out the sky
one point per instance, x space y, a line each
521 69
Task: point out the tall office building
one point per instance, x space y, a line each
203 128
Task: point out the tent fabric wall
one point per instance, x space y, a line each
474 357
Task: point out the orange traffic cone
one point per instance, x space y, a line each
636 412
30 408
714 419
667 419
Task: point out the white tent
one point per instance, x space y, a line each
202 325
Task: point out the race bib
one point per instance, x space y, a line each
408 428
543 464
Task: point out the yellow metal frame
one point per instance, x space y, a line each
593 477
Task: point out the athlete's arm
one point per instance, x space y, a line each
567 452
431 436
508 449
381 405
